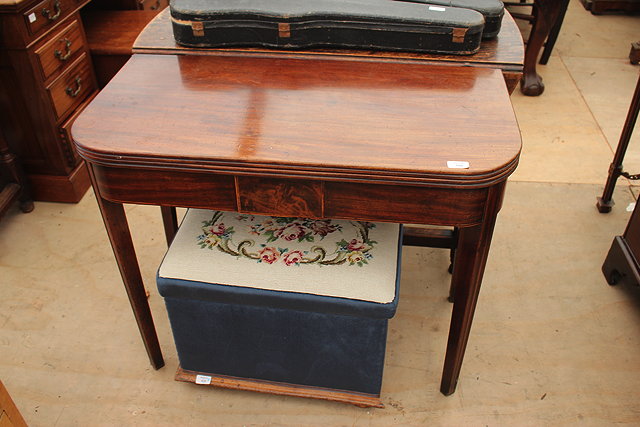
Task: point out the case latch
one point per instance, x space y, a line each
458 35
284 30
198 28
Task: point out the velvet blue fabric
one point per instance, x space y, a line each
290 346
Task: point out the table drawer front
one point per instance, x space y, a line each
46 14
165 187
404 204
61 50
68 90
280 197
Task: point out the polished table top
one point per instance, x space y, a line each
314 118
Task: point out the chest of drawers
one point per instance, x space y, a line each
46 78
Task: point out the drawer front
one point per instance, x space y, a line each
60 50
405 204
68 90
46 14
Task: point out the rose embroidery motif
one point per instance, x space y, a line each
293 257
356 245
357 251
217 229
269 255
292 231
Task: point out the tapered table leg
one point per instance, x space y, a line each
170 222
115 222
468 269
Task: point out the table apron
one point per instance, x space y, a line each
312 198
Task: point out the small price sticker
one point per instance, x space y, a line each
456 164
32 18
203 379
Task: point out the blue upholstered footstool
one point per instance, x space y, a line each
283 305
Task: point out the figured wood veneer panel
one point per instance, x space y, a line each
283 197
404 204
168 188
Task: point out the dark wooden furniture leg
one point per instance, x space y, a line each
605 203
170 222
634 53
17 187
468 269
433 238
115 221
553 35
546 14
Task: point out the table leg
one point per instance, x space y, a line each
546 15
468 269
170 222
115 221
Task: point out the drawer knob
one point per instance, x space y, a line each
57 10
155 6
73 93
67 46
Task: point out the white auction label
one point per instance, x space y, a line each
437 8
457 164
203 379
32 17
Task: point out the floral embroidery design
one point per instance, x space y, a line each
357 251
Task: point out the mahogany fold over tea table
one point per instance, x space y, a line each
309 136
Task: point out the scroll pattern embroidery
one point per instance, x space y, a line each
282 231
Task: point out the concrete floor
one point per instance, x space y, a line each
552 343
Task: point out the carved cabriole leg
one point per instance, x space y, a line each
170 222
546 15
115 222
531 83
468 269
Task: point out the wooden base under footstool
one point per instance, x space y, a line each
359 399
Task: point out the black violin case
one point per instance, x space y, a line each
492 10
361 24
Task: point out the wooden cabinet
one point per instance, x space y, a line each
46 78
621 264
48 74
